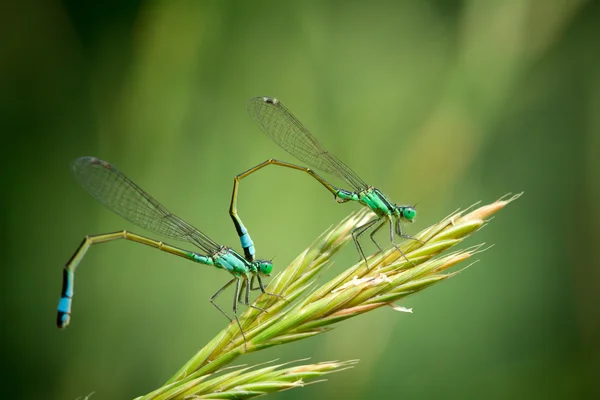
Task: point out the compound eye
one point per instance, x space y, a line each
266 268
409 213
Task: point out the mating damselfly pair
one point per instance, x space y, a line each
122 196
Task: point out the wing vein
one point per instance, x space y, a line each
122 196
282 127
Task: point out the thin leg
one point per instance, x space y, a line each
259 287
356 232
402 235
246 285
245 239
64 305
242 291
235 298
394 243
262 288
359 231
372 235
214 296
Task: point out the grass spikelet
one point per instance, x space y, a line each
248 382
309 311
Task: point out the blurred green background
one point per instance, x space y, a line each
440 102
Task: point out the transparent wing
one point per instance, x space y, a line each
119 194
280 125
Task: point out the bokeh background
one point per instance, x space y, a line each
440 102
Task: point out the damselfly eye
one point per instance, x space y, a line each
266 268
409 213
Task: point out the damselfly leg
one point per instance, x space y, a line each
357 232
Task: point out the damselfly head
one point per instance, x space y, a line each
408 213
264 267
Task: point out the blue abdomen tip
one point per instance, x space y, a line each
64 305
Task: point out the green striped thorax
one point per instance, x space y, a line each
379 204
229 260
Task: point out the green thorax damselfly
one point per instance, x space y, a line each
119 194
282 127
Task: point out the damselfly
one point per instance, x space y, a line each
119 194
281 126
